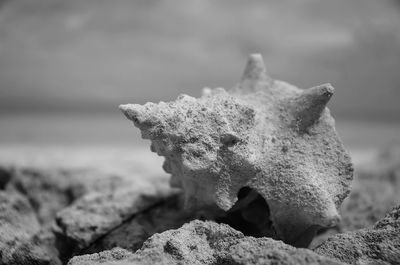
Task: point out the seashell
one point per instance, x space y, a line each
265 135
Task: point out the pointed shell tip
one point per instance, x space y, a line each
123 107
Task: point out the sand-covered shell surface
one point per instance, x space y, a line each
265 136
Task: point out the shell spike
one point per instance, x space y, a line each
133 112
206 92
255 69
310 104
142 116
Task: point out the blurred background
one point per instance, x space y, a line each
65 66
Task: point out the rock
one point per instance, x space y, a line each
205 243
5 176
51 189
35 251
376 190
390 221
386 165
377 245
21 238
85 203
263 134
267 251
368 202
116 256
18 221
97 213
131 235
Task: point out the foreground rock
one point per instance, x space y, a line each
5 176
21 238
36 195
97 213
79 205
52 189
377 245
167 215
205 243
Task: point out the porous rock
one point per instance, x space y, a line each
5 176
264 134
201 243
377 245
131 234
97 213
51 189
375 191
79 205
21 238
368 202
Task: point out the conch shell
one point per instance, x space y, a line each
263 134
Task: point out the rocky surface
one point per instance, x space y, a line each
21 238
97 213
68 210
5 176
32 198
52 189
206 243
131 235
377 245
263 134
375 191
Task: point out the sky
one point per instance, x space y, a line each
89 56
